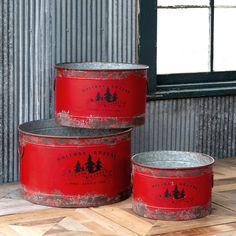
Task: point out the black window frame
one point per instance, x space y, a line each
183 85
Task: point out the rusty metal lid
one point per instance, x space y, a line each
98 66
49 128
172 160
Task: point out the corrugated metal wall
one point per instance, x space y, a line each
36 34
206 125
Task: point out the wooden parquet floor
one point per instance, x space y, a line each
19 217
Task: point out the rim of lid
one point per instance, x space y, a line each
100 66
141 159
32 127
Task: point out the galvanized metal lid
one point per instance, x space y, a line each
172 160
105 66
49 128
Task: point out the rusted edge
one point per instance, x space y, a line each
195 212
58 199
49 140
65 119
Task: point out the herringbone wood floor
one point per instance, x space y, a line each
19 217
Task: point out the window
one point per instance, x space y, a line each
191 49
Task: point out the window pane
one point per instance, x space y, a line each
182 40
225 39
225 2
182 2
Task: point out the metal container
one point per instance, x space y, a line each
100 95
68 167
172 185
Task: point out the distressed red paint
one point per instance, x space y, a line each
73 171
103 95
172 193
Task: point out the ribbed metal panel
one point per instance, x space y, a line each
36 34
205 125
8 161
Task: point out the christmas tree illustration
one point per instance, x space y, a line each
90 164
77 167
114 97
108 95
99 97
177 194
98 165
182 194
166 194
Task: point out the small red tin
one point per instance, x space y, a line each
68 167
100 95
172 185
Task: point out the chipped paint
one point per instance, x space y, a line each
65 119
58 199
153 212
73 140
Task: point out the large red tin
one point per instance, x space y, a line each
100 95
68 167
172 185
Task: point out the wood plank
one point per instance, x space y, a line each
56 230
224 200
223 188
220 182
106 222
70 224
98 228
209 230
126 219
47 214
27 231
8 231
219 216
230 233
13 206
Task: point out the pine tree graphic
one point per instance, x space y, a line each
98 165
176 192
108 95
182 195
99 97
166 194
90 164
77 167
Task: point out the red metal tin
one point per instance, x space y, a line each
171 185
68 167
100 95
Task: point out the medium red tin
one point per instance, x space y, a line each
68 167
172 185
100 95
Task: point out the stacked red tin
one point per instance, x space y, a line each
83 157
